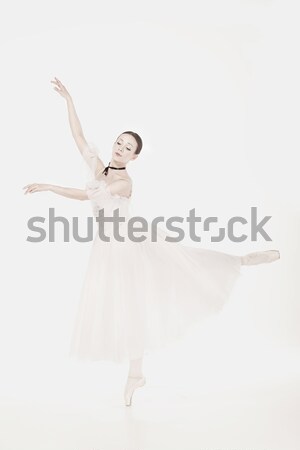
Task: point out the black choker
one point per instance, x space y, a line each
111 167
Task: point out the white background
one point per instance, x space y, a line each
213 90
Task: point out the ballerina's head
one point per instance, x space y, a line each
126 147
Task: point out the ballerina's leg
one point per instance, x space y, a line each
135 367
135 379
254 258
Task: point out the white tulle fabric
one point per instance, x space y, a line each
140 296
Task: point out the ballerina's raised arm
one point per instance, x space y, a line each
96 165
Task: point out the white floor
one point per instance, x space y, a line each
235 402
257 418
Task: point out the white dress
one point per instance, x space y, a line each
141 296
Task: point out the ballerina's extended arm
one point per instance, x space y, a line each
90 157
93 161
77 194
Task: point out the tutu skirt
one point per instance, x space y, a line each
140 296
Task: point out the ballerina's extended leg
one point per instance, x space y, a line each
260 257
135 379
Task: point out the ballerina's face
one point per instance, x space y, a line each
124 148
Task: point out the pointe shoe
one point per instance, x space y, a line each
260 257
131 385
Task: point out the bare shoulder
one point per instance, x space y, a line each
126 178
129 180
127 185
121 185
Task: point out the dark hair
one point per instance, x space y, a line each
137 138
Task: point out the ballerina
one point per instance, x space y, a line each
143 295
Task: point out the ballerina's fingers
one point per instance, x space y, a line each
59 86
57 82
31 188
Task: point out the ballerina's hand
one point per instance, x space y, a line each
60 88
36 187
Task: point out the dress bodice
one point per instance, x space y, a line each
101 198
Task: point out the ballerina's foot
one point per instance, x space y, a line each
260 257
131 385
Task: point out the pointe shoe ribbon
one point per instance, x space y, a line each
131 385
260 257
